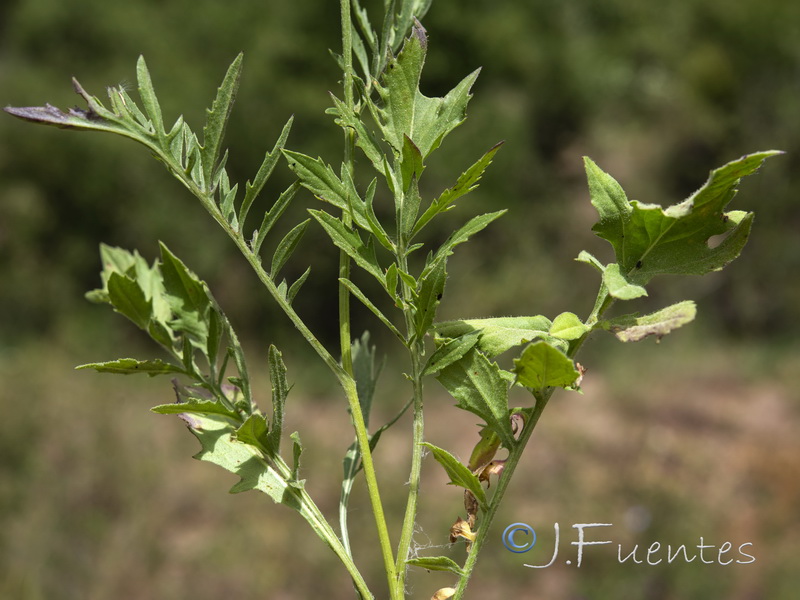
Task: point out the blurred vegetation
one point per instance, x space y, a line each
656 93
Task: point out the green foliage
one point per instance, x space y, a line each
405 127
649 240
459 475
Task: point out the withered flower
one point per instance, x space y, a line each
493 468
461 528
443 594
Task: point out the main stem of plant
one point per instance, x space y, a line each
395 591
417 352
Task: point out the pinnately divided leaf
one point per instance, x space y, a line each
320 180
467 182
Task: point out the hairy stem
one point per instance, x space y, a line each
502 485
345 336
602 303
418 436
326 532
345 379
417 355
344 324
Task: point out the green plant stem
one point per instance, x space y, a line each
345 335
345 379
417 355
349 385
326 532
602 303
344 323
418 436
502 485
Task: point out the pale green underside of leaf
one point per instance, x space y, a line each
459 474
130 366
632 328
497 334
436 563
245 460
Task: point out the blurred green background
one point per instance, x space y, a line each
697 437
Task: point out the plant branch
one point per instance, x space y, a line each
502 485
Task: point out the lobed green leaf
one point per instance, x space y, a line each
321 181
479 387
650 240
407 112
187 297
129 299
466 182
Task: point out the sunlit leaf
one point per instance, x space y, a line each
542 365
479 387
650 240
